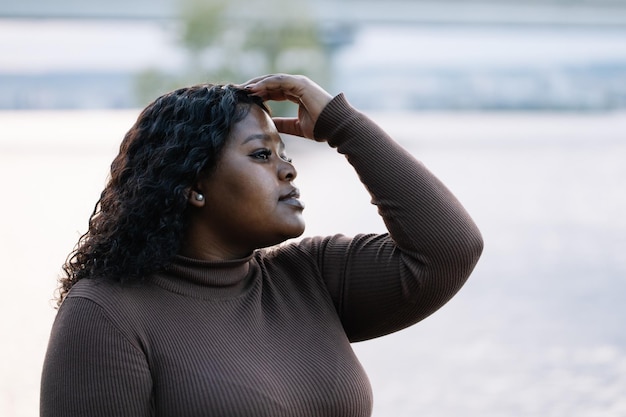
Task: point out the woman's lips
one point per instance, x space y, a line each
292 198
292 201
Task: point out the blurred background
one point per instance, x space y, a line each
519 107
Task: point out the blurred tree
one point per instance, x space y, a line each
233 40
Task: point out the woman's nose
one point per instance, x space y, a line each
286 171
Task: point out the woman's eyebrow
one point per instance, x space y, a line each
257 136
265 138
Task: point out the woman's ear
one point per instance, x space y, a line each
196 198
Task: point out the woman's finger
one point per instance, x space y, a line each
268 93
279 87
253 80
288 125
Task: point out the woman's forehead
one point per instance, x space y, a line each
256 125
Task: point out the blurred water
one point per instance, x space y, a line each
537 331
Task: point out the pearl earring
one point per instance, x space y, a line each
199 197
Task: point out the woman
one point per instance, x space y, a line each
171 306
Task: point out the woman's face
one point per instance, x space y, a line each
250 199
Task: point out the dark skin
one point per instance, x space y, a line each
250 201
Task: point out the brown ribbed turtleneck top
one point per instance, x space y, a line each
268 335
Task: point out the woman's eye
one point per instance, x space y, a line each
263 154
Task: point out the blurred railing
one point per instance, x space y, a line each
354 12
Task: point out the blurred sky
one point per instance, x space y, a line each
39 46
69 45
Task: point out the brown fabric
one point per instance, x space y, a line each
268 335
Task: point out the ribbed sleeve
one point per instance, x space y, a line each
381 283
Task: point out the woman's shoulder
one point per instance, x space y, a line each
108 294
314 245
303 248
94 289
321 251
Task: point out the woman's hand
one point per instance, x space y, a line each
310 98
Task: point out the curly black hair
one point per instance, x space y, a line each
138 223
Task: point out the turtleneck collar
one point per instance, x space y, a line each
206 279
